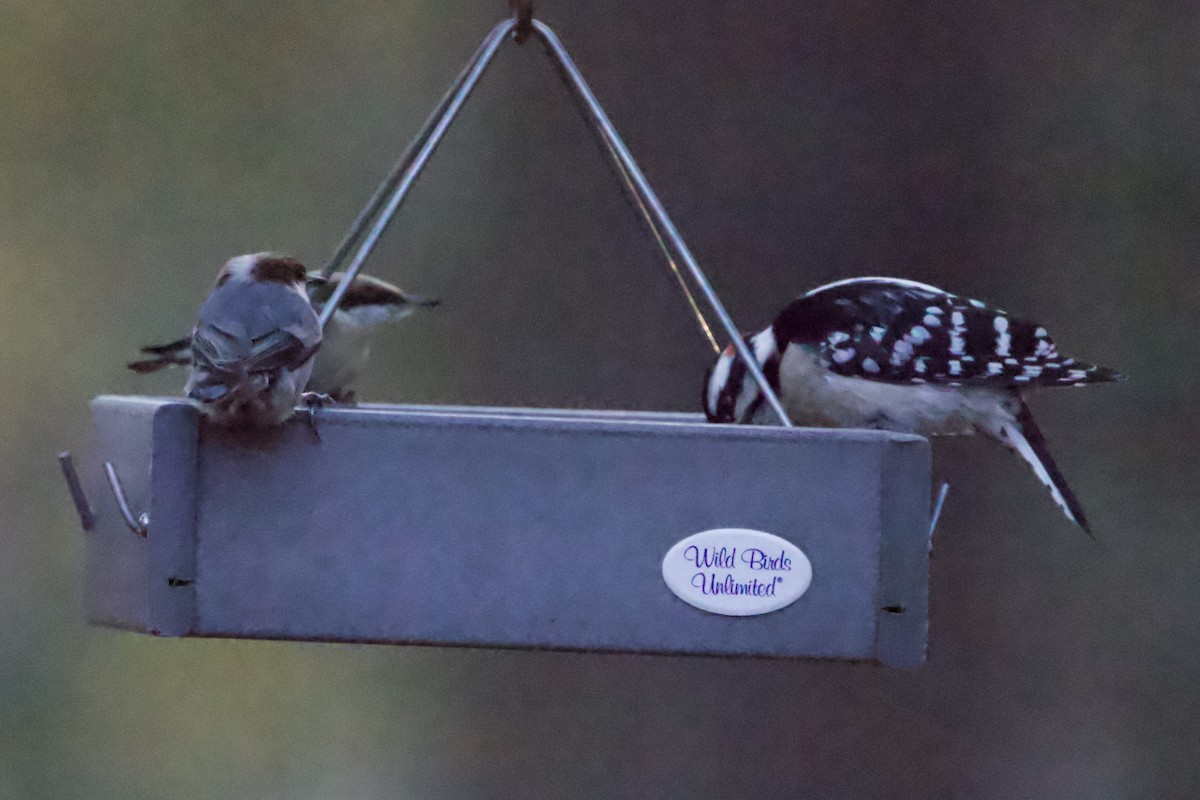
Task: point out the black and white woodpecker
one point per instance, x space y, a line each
346 342
898 355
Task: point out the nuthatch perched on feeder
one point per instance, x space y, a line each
253 346
897 355
346 340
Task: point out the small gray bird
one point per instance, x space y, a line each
897 355
345 343
253 346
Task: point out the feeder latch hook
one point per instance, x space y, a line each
523 14
139 524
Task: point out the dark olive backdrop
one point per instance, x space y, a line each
1040 155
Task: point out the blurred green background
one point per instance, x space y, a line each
1040 155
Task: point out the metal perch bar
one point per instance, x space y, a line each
649 204
87 518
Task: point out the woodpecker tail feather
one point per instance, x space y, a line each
1079 373
1023 437
1105 374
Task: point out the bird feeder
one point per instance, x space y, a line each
618 531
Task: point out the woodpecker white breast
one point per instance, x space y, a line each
893 354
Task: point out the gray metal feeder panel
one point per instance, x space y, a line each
500 527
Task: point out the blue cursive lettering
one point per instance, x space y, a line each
704 558
708 584
757 559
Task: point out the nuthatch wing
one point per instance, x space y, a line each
898 355
346 340
253 346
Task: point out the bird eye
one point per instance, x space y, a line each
318 289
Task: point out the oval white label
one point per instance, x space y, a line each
738 572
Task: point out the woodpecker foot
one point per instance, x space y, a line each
313 401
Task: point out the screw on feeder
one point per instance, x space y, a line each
139 524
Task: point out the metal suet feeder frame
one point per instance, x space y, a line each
500 527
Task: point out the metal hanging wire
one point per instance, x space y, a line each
381 208
639 203
400 181
471 72
389 183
